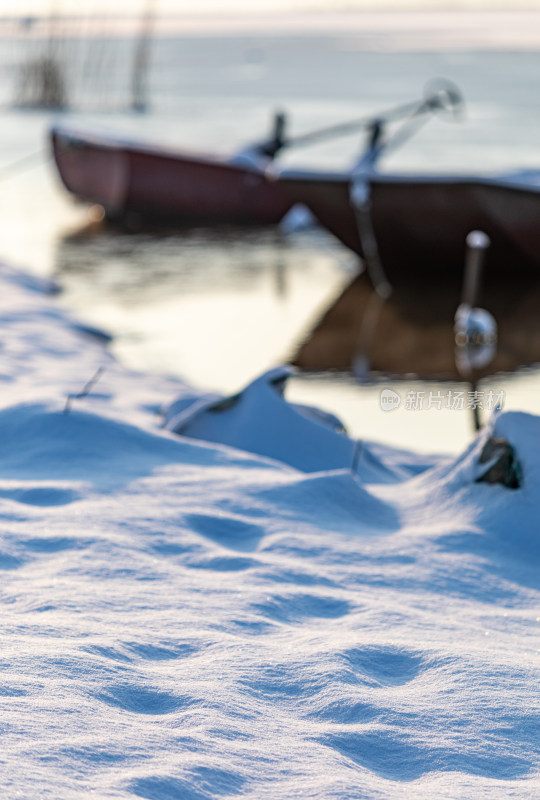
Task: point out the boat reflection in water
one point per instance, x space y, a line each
412 332
213 306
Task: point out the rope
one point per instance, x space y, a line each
26 162
440 95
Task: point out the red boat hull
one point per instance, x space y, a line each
136 181
421 223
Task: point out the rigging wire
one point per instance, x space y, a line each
28 161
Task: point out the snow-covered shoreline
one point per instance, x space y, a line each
186 620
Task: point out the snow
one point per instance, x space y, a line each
186 619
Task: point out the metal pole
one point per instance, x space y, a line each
475 329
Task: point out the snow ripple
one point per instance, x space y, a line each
182 620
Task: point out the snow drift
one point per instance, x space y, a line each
185 619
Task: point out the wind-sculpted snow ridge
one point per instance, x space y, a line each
186 620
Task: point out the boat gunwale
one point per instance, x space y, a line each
96 140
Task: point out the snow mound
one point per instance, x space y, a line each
185 619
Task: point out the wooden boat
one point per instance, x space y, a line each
421 222
397 316
138 182
402 223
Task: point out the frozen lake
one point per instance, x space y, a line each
219 307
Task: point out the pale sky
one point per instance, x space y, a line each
200 7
